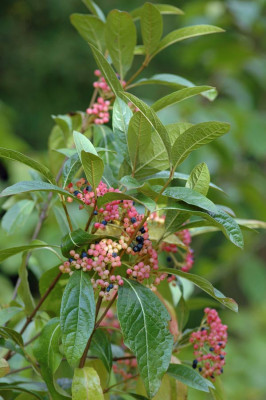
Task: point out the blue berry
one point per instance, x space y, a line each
71 259
111 286
88 188
200 369
203 329
108 289
136 249
140 246
222 370
133 220
211 348
139 239
104 222
76 192
95 212
84 254
221 357
142 230
194 364
220 344
169 259
114 255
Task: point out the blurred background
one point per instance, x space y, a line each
46 68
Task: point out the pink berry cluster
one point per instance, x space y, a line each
100 111
126 368
209 343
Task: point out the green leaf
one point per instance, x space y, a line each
138 137
199 179
182 313
36 244
150 116
71 167
77 315
46 351
16 156
101 348
188 376
18 388
195 137
190 196
4 367
121 39
6 314
178 96
86 385
143 320
206 286
64 122
121 116
151 27
83 143
251 223
173 220
33 186
106 70
165 9
129 182
53 302
24 288
94 9
111 196
17 215
91 28
8 333
93 167
185 33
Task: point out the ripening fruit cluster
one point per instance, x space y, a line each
209 343
124 247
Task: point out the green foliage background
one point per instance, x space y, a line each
46 68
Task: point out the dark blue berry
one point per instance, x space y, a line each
111 286
203 329
139 239
194 364
71 259
84 254
169 259
134 203
114 255
108 289
140 246
133 220
76 192
136 249
104 222
95 212
220 344
211 348
221 357
212 376
200 369
222 370
121 201
142 230
88 188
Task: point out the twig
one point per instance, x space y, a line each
14 371
106 310
120 383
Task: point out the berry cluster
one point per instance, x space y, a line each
100 111
209 343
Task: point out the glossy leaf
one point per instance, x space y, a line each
77 315
188 376
11 334
151 24
16 156
101 348
18 387
86 385
195 137
121 116
186 33
17 216
46 351
178 96
150 116
6 314
121 39
143 320
91 28
165 9
71 167
36 244
206 286
199 179
190 196
93 168
106 70
173 220
83 143
94 9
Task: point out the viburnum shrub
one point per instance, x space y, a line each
108 323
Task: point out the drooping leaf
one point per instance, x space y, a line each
11 334
206 286
91 28
178 96
185 33
93 167
94 9
17 215
18 387
129 182
195 137
173 220
190 196
151 27
36 244
16 156
46 351
165 9
24 288
86 385
101 347
77 315
199 179
106 70
188 376
121 39
83 143
71 167
150 116
143 320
